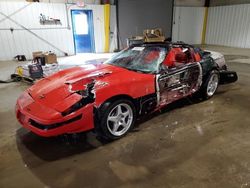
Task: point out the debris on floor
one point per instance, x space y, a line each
20 57
31 71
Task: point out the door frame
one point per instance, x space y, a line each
91 28
163 78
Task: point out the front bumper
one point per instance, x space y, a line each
79 121
227 77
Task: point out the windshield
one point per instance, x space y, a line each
144 59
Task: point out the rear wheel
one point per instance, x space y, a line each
116 119
211 84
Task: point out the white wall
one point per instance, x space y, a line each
229 26
113 29
98 19
23 42
188 24
60 1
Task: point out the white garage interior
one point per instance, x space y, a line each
188 143
226 25
28 35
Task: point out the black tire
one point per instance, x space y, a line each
214 74
104 126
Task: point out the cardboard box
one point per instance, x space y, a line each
153 35
50 58
37 54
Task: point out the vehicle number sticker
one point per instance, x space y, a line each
138 48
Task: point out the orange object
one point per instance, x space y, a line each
170 59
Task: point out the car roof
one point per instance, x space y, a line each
163 44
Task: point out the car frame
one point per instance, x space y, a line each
108 97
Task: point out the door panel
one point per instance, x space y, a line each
82 21
179 82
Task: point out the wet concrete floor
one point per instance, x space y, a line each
191 143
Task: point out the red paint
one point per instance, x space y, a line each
44 101
197 57
171 58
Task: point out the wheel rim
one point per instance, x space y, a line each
120 119
212 85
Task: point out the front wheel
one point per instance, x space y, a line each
116 119
211 84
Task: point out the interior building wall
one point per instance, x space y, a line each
98 19
20 41
200 3
229 26
226 25
113 29
228 2
189 3
188 24
60 1
135 16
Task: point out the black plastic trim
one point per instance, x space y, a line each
53 126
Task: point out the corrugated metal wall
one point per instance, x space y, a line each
188 24
113 29
21 41
229 26
62 1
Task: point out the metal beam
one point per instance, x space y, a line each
117 24
207 3
172 20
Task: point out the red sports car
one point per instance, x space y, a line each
108 97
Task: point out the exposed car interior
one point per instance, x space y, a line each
178 57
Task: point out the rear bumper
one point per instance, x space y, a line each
227 77
80 121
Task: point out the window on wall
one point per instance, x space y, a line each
81 24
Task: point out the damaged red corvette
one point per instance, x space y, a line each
108 97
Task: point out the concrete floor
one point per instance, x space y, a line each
8 67
190 144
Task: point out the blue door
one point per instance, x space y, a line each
83 31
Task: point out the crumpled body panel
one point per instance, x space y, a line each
43 107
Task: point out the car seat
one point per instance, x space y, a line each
175 58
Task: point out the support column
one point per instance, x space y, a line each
107 27
204 30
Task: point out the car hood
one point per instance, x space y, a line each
54 90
